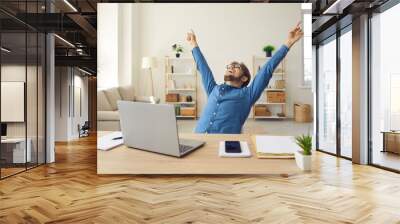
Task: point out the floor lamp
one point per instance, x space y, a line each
150 63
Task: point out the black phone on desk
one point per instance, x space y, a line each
232 147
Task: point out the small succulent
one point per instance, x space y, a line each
305 142
268 48
177 48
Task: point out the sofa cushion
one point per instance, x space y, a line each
107 115
127 93
113 96
102 102
147 99
108 126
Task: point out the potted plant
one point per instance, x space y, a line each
303 158
268 50
178 49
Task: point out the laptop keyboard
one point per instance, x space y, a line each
184 148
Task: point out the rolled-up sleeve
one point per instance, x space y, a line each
205 71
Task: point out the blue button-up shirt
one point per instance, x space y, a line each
228 107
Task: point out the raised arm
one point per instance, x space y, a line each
263 76
205 71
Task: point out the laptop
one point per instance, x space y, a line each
152 127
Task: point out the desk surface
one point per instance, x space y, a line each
205 160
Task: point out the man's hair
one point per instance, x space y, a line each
245 72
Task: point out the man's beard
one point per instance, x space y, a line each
232 78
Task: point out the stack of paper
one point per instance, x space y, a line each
110 141
276 147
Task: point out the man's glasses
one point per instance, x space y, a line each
232 66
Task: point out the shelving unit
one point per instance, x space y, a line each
273 107
272 89
181 78
268 103
181 90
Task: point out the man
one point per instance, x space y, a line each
229 104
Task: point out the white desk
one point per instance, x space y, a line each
18 149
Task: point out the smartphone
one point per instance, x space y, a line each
232 147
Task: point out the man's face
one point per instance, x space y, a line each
233 69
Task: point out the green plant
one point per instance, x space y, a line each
177 48
305 142
268 48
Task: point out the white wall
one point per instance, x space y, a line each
107 45
125 49
12 73
116 48
80 83
67 84
62 80
225 32
33 126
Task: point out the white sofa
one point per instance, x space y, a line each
107 110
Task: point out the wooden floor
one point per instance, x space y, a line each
69 191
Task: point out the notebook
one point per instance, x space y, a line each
110 141
275 147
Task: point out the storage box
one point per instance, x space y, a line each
392 142
302 112
280 84
276 97
261 110
188 111
182 98
172 97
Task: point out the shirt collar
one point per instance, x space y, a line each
230 87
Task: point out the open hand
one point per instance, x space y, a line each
191 38
294 35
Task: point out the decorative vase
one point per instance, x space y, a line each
177 55
303 161
268 54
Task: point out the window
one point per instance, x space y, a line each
22 66
385 88
327 96
346 94
394 101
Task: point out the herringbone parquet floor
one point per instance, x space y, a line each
69 191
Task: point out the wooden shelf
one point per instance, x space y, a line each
180 58
272 89
181 79
181 74
176 90
269 117
267 103
182 116
192 103
279 74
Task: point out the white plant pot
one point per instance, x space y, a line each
303 161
